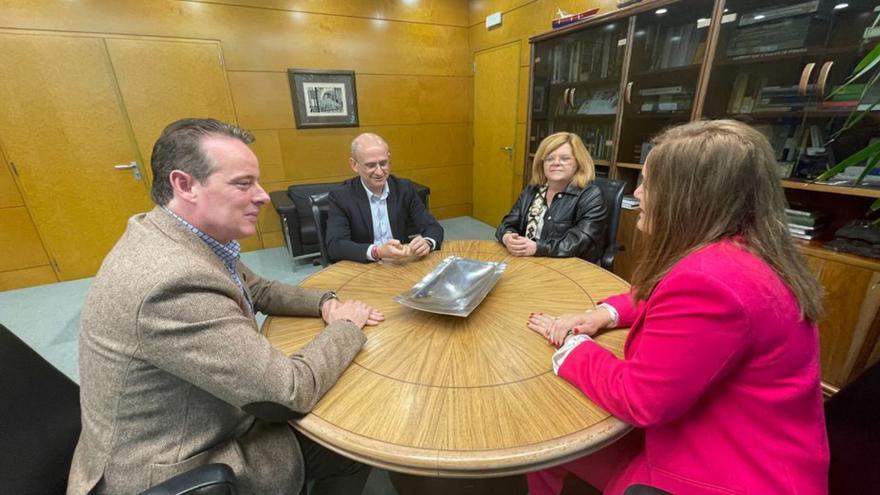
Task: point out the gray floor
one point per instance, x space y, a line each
46 317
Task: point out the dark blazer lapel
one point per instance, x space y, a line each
362 204
396 210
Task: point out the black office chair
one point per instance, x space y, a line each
40 425
851 417
320 210
612 191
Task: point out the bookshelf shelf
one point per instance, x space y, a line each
677 116
865 192
596 82
666 71
602 163
582 116
766 57
633 166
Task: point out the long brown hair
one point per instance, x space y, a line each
585 172
711 180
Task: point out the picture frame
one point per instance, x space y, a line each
323 98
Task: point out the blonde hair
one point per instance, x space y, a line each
712 180
586 171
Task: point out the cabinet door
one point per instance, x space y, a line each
669 47
847 329
576 88
775 68
63 127
630 239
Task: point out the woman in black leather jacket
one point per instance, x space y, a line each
560 213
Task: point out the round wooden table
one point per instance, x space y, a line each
438 395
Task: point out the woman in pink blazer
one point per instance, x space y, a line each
720 374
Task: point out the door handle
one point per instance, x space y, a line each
627 92
509 150
135 170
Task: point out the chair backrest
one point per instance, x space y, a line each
320 205
851 417
612 191
39 420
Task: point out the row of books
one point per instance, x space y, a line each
751 94
594 58
665 99
674 46
848 97
772 29
598 101
598 139
630 202
804 223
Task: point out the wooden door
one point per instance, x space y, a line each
496 84
63 127
165 80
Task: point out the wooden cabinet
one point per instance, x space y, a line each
619 79
849 327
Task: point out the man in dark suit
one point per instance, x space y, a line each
369 214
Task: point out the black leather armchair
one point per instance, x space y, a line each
612 191
40 425
297 222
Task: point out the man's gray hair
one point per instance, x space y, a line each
179 148
364 138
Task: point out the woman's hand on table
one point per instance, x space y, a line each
518 245
556 329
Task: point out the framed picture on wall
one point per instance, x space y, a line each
323 98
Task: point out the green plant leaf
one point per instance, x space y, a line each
864 66
872 163
857 157
870 59
874 207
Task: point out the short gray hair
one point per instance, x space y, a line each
179 148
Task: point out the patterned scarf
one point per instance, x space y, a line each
536 214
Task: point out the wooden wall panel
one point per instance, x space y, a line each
479 9
449 185
451 12
452 211
265 39
20 245
315 154
27 277
9 195
387 99
261 99
268 150
272 239
412 61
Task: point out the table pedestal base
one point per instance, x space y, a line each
407 484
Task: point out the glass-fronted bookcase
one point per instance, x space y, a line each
619 79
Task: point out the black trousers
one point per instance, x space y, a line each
329 473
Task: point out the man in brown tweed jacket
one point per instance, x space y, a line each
174 371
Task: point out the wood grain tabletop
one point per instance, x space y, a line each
440 395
